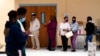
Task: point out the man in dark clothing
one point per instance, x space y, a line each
89 31
15 39
21 23
21 15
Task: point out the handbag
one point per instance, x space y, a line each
69 34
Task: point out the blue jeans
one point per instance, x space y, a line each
88 39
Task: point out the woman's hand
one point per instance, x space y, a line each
45 24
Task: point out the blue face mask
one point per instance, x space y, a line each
22 19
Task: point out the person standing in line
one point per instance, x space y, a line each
89 31
21 17
21 23
15 39
64 28
74 28
34 30
51 29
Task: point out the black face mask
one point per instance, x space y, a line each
73 21
66 20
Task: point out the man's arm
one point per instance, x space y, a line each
37 25
20 36
6 31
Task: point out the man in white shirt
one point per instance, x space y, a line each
64 28
34 30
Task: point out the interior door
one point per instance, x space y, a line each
43 13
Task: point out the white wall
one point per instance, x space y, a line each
5 7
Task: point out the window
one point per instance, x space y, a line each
42 17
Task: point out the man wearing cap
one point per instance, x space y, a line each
34 31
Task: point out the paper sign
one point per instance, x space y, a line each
69 34
91 48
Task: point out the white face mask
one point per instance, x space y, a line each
22 19
91 21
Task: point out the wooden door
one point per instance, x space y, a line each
43 13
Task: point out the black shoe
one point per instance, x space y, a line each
73 50
52 49
49 48
86 49
65 50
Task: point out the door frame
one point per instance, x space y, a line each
21 5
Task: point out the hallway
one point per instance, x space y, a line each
58 52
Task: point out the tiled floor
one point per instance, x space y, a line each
58 52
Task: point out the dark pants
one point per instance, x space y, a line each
23 51
64 42
12 53
51 43
88 39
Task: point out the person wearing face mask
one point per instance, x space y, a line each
22 20
74 28
21 17
34 30
21 23
89 31
51 30
64 27
15 39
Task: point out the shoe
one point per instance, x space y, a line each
86 49
65 50
37 48
33 47
52 49
73 50
49 48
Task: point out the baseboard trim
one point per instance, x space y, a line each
70 46
2 52
61 46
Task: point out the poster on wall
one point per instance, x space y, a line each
81 28
91 48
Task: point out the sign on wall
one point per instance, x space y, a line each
91 48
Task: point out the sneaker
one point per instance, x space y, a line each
37 48
33 47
